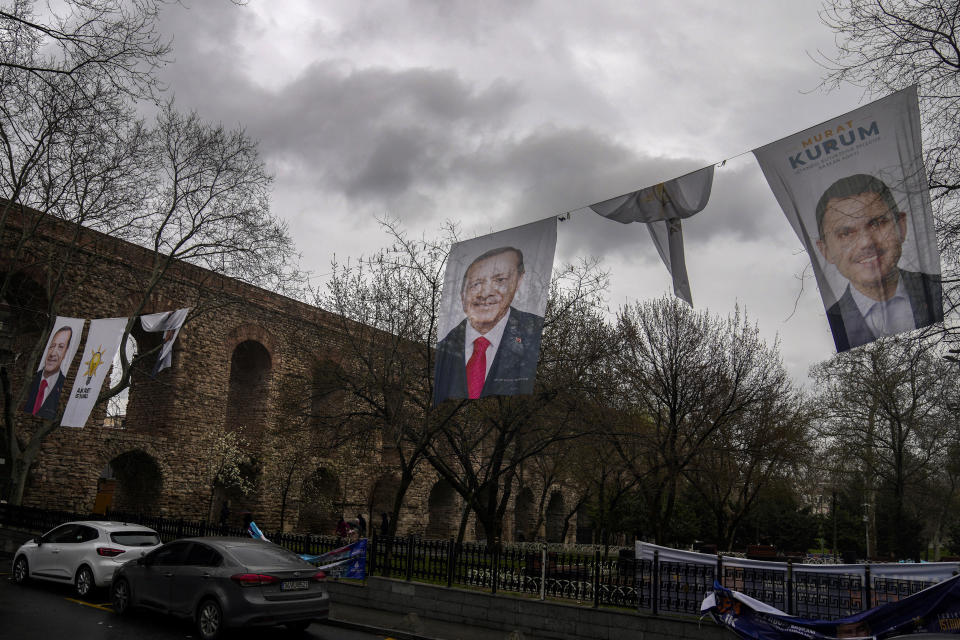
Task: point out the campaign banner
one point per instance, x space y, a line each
346 562
102 346
495 292
170 323
855 192
936 609
661 207
43 398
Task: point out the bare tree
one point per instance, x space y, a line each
115 41
73 158
884 408
686 376
386 308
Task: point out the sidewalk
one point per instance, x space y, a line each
411 626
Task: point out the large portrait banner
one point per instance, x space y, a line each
495 292
43 399
855 192
102 346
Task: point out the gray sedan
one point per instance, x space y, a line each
224 582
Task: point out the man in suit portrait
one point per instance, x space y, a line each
44 397
494 350
861 233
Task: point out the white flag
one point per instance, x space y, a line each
170 323
661 207
103 343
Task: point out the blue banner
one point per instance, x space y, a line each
933 610
346 562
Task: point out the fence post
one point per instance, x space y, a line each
655 582
410 557
866 587
790 605
372 554
596 578
719 576
494 566
543 572
451 560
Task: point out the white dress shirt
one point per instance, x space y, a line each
887 317
495 335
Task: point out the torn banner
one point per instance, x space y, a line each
855 192
346 562
936 609
169 322
661 207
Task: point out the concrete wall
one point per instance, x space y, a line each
507 614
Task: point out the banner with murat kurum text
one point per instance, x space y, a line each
855 191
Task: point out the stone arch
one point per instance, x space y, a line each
554 517
523 520
321 501
443 513
137 481
248 396
383 493
584 525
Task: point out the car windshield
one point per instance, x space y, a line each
135 538
262 556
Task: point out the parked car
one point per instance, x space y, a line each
84 553
224 582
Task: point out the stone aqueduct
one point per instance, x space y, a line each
226 373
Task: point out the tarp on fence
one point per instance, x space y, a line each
346 562
936 609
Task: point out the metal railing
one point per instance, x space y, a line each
671 582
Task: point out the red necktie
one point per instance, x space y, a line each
477 367
39 401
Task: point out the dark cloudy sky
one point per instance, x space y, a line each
494 114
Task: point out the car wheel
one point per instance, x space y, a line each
298 627
121 596
209 619
21 570
84 583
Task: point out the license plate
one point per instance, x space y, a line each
294 585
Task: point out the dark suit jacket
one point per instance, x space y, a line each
48 410
514 367
850 329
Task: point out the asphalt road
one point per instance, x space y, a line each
51 611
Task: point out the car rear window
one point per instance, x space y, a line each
135 538
267 556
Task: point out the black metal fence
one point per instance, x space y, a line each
589 576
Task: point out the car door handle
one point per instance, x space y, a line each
207 576
168 575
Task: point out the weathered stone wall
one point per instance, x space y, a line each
233 365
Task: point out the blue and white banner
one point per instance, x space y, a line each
103 344
933 610
346 562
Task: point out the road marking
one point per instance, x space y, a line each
102 607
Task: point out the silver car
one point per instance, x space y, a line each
83 553
222 583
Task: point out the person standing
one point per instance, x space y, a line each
384 524
361 525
